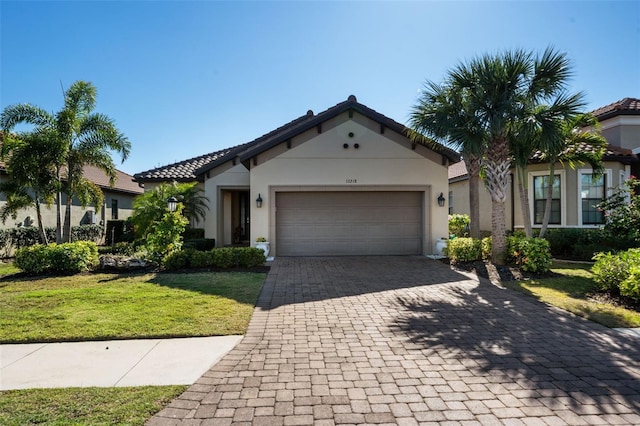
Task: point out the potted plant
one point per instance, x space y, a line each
263 244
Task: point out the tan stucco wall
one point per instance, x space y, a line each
378 164
622 131
461 205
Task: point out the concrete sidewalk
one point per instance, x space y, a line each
110 363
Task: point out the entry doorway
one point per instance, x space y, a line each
237 221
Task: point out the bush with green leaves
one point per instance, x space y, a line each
67 258
221 258
630 287
165 235
611 270
459 224
200 244
622 212
581 243
486 244
532 254
193 233
464 250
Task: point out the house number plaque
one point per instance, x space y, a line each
351 181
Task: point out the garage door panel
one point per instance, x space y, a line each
348 223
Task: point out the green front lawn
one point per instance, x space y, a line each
7 268
83 406
572 290
112 306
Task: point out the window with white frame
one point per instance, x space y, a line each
540 189
593 189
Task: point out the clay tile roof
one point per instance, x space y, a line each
612 153
124 182
626 106
457 170
191 169
184 171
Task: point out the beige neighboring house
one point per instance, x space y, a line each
575 192
118 202
346 181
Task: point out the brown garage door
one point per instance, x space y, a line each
348 223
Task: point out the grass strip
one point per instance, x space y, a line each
83 406
112 306
571 291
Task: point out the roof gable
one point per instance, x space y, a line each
351 105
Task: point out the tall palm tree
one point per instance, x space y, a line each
497 94
83 137
30 160
574 141
440 113
90 138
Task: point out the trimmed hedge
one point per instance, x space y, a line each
193 234
618 272
25 236
67 258
200 244
222 258
119 231
464 250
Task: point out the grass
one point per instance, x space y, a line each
571 292
7 268
112 306
82 406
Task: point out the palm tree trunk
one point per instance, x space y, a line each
497 180
524 203
43 234
547 205
473 167
58 210
66 232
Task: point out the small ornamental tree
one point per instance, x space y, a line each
622 212
165 235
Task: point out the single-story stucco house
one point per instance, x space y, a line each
346 181
118 202
575 192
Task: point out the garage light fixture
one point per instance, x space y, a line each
259 201
441 200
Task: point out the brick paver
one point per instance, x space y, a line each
406 340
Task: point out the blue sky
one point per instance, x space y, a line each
182 79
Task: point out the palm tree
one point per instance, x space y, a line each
576 141
440 113
497 93
83 138
152 205
30 159
89 138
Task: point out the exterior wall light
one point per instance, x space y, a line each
172 203
441 200
259 201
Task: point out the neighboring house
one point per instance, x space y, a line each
575 192
346 181
118 202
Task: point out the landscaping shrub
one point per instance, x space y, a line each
165 236
200 244
222 258
193 233
121 248
67 258
119 231
464 250
486 244
611 270
582 244
622 213
630 287
459 224
531 254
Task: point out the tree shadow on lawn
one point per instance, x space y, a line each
549 355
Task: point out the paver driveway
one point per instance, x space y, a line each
405 340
